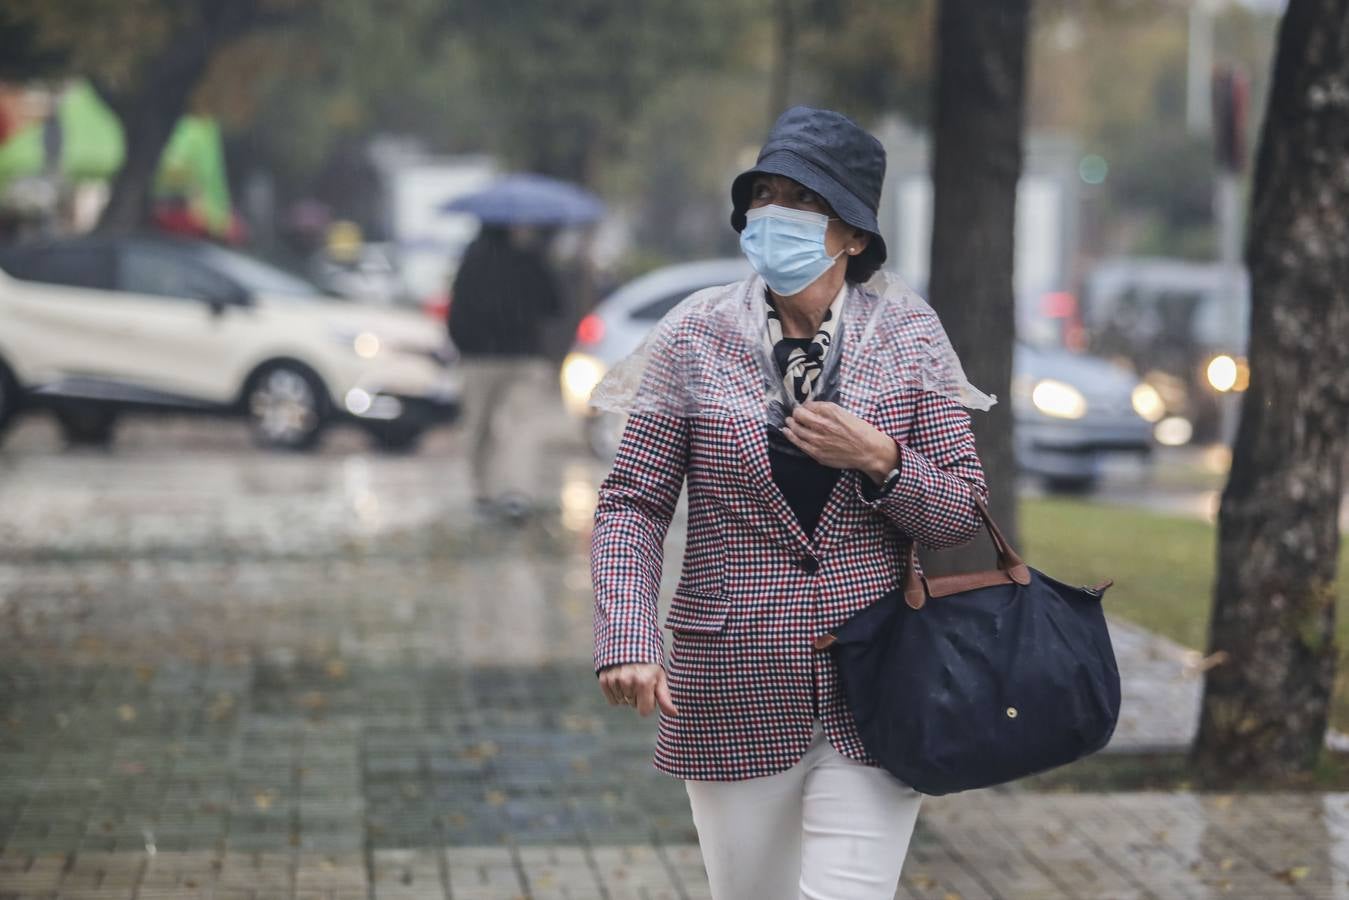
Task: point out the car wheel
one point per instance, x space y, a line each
86 426
396 437
1076 485
285 406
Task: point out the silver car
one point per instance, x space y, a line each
1075 415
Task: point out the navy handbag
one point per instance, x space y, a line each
968 681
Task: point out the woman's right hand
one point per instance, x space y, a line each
642 685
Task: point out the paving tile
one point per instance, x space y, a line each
233 686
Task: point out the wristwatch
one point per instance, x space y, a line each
876 491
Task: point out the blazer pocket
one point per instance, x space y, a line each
698 613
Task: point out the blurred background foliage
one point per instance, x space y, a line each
654 104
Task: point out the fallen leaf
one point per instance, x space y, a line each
484 750
336 669
126 712
495 798
263 800
221 707
1293 874
1196 664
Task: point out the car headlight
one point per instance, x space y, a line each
1173 431
580 373
1148 403
1222 373
1062 401
365 344
1226 373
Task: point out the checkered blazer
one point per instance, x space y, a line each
754 590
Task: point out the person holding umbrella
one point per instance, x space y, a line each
502 299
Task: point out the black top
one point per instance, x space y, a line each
502 294
804 482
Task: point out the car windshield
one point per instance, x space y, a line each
259 277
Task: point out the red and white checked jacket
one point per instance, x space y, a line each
754 590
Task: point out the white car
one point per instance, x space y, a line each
94 327
1074 414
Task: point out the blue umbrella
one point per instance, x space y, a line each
529 200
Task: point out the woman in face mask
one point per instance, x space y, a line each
817 416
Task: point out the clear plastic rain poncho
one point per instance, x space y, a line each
885 326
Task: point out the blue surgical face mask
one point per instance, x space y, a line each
786 247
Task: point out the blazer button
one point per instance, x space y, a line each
808 564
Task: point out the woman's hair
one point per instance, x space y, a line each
862 266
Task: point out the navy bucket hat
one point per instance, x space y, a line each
834 157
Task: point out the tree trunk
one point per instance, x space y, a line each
976 163
784 58
148 120
1265 709
150 109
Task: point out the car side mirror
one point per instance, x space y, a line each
220 301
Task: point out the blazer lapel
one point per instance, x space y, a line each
751 438
840 515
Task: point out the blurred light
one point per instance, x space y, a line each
344 240
1148 403
1243 375
580 373
358 402
590 330
1058 305
1217 459
1093 169
359 493
1062 401
366 345
1174 431
437 306
368 406
578 498
1222 373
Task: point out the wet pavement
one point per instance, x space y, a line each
227 673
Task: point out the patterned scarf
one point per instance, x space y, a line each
801 367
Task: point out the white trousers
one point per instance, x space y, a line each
828 828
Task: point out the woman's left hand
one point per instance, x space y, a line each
835 437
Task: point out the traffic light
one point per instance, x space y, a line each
1231 100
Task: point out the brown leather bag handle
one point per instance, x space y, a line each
1010 565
